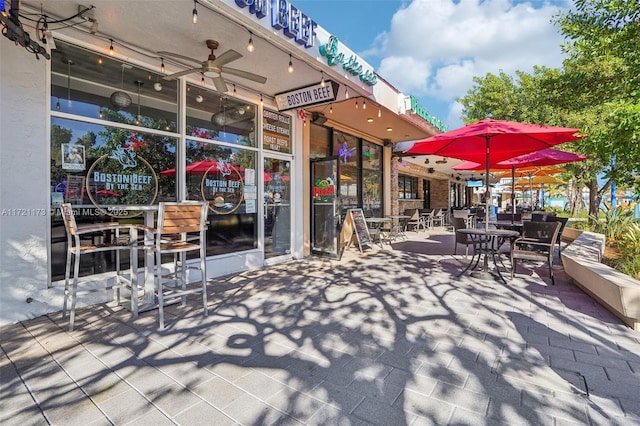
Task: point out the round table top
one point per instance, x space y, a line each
491 232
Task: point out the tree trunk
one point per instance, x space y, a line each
595 198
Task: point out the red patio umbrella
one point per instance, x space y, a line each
491 141
531 162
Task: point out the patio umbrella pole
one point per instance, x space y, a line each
513 194
487 194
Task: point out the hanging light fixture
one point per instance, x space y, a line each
69 62
234 90
250 45
322 82
202 82
356 103
138 116
364 104
120 99
330 109
261 101
111 47
290 63
346 93
379 112
194 13
58 104
162 65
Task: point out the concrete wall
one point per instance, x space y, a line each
24 158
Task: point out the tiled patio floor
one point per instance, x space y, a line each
388 337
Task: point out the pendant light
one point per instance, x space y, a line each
119 98
69 62
138 116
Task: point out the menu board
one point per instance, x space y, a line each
276 131
355 223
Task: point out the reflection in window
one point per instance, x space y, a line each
319 142
226 178
220 118
407 187
89 84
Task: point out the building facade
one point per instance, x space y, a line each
254 108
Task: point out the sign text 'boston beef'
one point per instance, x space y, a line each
306 96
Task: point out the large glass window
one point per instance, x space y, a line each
407 187
371 179
345 147
319 146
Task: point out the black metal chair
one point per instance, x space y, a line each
460 238
563 223
537 243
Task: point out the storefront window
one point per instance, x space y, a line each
88 84
319 143
346 148
226 178
371 179
222 118
407 187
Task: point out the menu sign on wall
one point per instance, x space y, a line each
276 131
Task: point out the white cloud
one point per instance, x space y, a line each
434 48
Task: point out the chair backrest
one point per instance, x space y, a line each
562 220
544 232
458 223
517 217
182 217
464 213
68 218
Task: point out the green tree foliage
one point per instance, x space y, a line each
597 91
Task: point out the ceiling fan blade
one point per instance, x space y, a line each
220 84
177 55
181 73
228 56
245 74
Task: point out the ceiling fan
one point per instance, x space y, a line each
214 67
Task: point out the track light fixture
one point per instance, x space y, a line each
111 47
290 63
162 65
250 46
194 15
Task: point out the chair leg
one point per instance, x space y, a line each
513 267
159 290
203 270
553 282
74 291
67 274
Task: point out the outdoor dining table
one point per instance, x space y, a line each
377 224
399 225
486 243
507 224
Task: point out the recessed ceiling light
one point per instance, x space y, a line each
370 120
389 129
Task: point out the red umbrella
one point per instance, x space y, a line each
201 166
491 141
545 157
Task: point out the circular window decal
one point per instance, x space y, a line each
222 187
120 179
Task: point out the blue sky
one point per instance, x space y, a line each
432 49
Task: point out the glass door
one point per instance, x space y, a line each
277 207
325 216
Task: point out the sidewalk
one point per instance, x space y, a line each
386 337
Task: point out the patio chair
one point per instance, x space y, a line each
181 229
110 240
427 217
460 238
439 218
537 243
416 221
563 223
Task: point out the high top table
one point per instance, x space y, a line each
486 242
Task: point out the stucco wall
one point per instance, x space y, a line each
23 168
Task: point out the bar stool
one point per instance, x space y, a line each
75 250
181 229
